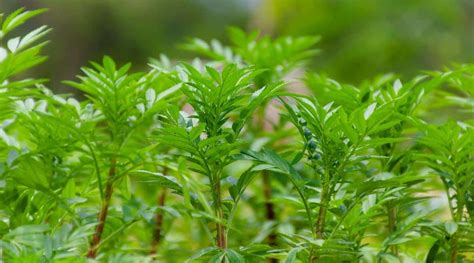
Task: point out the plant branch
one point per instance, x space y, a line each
158 222
392 227
103 211
320 222
269 210
221 238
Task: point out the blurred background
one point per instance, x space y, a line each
359 38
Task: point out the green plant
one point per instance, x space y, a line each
222 102
160 165
449 152
277 58
451 147
125 103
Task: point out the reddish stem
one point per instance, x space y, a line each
158 222
221 238
103 211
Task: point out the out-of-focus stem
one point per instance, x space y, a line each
392 227
455 238
269 209
158 222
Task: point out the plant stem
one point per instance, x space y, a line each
457 218
269 209
103 210
322 212
221 238
319 228
392 227
320 222
158 222
267 185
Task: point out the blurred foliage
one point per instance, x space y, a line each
127 30
361 38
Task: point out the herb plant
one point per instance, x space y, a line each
160 165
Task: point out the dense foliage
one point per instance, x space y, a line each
231 158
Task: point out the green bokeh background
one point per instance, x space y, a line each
359 38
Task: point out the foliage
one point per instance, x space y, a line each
160 165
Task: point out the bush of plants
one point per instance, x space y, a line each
239 156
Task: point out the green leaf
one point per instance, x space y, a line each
291 257
234 257
202 252
159 179
451 227
269 157
244 180
389 258
27 230
370 110
19 17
